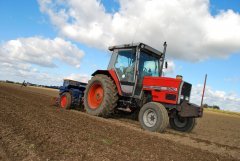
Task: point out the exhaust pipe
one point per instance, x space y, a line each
203 93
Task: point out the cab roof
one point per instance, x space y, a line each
132 45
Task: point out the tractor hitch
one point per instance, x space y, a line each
186 109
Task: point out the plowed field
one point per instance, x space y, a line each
32 129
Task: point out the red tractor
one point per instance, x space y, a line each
134 81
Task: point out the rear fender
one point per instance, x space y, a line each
111 73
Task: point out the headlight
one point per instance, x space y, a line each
182 97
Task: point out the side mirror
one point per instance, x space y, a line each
166 64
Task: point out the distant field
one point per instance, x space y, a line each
40 90
222 111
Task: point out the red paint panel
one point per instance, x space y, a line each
161 81
160 86
160 96
115 78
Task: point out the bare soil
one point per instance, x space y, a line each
32 129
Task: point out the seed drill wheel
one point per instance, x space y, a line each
183 124
100 96
65 100
153 116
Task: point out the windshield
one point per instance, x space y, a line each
149 65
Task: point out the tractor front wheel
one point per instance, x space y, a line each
65 100
153 116
101 96
183 124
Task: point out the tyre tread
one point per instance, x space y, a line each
111 94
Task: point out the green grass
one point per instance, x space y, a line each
222 111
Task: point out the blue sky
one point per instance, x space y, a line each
26 19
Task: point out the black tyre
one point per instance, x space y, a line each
65 100
135 114
153 116
145 99
100 96
183 124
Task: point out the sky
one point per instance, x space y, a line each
46 41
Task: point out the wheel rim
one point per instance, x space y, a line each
180 121
150 118
63 101
95 96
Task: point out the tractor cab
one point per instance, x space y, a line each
132 62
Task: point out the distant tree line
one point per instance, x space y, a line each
213 106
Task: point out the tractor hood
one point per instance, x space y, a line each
167 90
161 83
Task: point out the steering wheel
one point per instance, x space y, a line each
121 68
145 69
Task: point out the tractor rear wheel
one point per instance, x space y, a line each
65 100
101 96
153 116
183 124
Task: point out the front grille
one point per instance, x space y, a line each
186 91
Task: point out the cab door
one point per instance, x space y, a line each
148 66
125 67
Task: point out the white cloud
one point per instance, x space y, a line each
226 101
191 31
79 77
20 71
40 51
25 59
170 68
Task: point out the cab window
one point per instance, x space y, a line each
149 65
125 64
